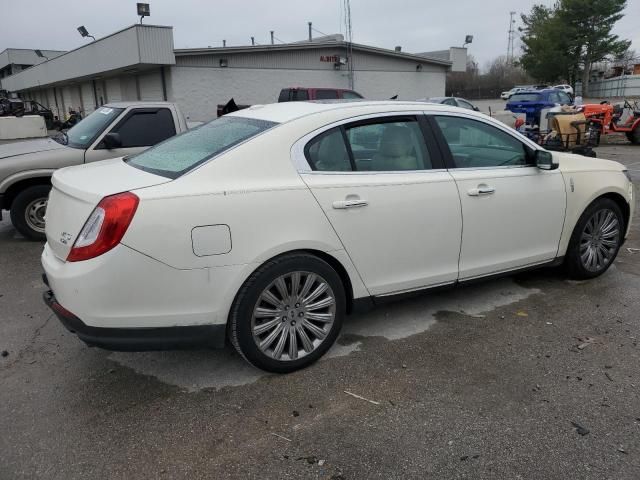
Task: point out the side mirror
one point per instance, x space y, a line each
544 160
112 140
476 109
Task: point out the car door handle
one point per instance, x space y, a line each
481 190
342 204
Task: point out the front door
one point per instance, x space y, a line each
393 206
513 211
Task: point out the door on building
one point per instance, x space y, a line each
139 129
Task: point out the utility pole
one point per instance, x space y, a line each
310 35
512 37
271 37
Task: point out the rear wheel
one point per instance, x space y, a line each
596 239
634 135
288 313
28 211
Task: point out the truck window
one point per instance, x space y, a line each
300 95
284 95
349 95
144 128
326 94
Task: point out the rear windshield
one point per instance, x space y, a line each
177 155
525 97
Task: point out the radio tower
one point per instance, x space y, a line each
512 37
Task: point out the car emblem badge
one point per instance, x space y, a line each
65 237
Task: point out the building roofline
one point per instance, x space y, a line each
32 50
310 45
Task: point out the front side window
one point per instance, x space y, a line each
145 128
384 146
326 94
351 95
465 104
87 130
179 154
475 144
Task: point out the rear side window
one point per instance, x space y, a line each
525 97
326 94
328 152
145 128
384 146
182 153
284 95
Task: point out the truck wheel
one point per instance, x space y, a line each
634 135
28 210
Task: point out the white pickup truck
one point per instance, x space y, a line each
113 130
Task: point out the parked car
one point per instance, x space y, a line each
453 101
270 224
296 94
565 88
114 130
532 102
507 95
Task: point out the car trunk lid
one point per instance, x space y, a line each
76 192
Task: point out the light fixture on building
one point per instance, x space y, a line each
83 31
223 63
40 54
467 40
339 62
143 10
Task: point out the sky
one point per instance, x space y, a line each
416 25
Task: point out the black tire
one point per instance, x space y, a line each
634 135
573 261
240 318
19 214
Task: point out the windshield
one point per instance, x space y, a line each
525 97
176 156
86 131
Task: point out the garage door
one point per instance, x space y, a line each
151 86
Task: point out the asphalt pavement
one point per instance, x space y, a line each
525 377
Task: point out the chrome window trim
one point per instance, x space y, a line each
302 165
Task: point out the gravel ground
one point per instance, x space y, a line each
526 377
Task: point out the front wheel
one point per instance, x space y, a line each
596 239
634 135
288 313
28 210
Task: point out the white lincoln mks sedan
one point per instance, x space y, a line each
268 225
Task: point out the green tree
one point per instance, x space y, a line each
590 23
573 34
547 51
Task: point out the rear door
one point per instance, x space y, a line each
139 129
382 185
513 211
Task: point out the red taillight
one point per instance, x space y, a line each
519 123
105 227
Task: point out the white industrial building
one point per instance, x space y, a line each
141 63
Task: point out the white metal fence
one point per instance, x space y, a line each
623 86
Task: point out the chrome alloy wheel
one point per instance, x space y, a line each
293 315
599 240
34 214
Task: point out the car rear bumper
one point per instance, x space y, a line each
137 339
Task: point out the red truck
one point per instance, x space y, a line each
299 94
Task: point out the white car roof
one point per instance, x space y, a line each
288 111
